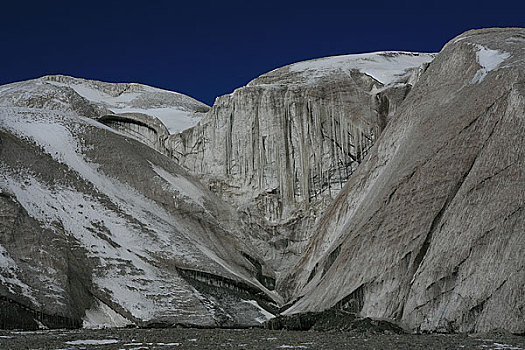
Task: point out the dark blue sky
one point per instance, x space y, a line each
208 48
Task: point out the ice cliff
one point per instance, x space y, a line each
281 147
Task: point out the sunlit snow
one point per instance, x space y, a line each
489 60
93 342
385 67
265 314
102 316
176 118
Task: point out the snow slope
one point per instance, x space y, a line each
386 67
137 217
176 111
94 99
429 230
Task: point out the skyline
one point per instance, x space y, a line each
206 49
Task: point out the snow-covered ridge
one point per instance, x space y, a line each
489 60
177 111
385 66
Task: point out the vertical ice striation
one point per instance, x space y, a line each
285 144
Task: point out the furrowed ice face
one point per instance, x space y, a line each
283 146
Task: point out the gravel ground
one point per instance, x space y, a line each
180 338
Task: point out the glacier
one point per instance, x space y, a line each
386 185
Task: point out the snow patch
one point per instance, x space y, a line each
9 277
462 38
489 60
92 342
499 346
144 345
385 67
176 118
